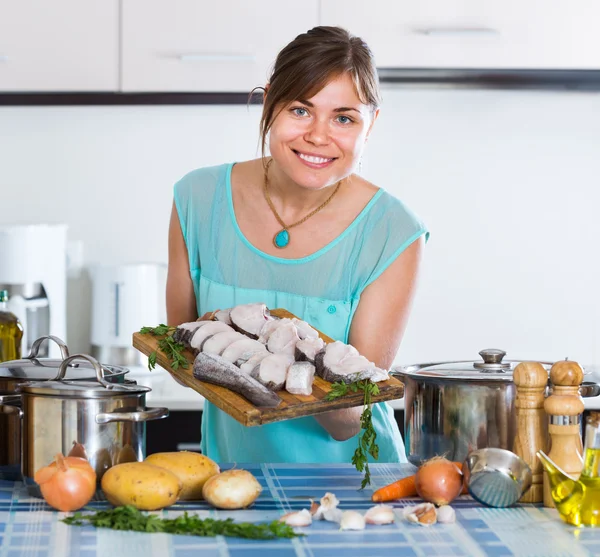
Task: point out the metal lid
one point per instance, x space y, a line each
33 368
100 388
490 368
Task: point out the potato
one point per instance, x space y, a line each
193 469
233 489
142 485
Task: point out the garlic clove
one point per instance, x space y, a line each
380 514
424 514
329 501
333 515
327 510
446 515
298 518
352 520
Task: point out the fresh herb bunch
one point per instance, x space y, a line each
367 439
130 518
167 345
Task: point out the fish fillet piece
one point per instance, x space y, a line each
223 316
300 377
249 365
304 329
342 362
284 339
184 332
270 326
249 318
272 371
242 346
214 369
306 349
208 330
220 341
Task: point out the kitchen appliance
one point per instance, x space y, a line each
33 269
35 368
452 408
103 421
125 298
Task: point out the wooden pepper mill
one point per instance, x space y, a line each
531 379
564 408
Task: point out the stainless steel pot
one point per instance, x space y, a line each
100 420
32 368
452 408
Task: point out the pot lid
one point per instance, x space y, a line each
33 368
98 388
492 367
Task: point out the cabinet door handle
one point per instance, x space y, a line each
217 58
456 31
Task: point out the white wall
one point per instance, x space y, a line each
506 181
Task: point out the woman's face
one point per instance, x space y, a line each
318 141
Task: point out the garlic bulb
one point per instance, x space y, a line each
380 514
423 514
327 510
352 520
298 518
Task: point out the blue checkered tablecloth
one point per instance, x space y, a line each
28 527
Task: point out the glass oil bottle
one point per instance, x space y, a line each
578 501
11 331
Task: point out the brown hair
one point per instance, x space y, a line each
309 62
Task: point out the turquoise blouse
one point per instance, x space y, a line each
323 289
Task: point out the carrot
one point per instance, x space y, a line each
404 487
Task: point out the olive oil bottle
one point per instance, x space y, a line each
11 331
578 501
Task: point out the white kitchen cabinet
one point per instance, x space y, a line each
62 45
503 34
197 45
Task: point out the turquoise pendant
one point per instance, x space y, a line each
281 239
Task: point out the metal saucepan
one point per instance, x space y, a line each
102 421
452 408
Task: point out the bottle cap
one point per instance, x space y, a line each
3 295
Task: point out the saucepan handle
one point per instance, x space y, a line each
9 405
139 415
35 347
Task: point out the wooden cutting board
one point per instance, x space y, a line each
292 406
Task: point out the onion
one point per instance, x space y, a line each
233 489
438 481
68 483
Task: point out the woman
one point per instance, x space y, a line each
299 230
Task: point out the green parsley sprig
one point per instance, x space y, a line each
130 518
167 345
367 438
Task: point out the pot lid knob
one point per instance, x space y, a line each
492 360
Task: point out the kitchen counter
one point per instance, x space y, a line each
29 527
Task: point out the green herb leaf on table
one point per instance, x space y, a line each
367 438
167 345
130 518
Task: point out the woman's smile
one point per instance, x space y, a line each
313 160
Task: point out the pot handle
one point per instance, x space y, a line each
140 415
62 369
35 347
8 402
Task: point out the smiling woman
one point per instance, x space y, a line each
299 229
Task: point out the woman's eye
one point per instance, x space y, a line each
299 111
342 119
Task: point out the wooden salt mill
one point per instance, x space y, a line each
531 379
564 408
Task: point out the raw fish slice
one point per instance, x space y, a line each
304 329
214 369
306 349
249 365
342 362
220 341
272 371
185 331
284 339
244 345
269 327
300 378
208 330
223 316
249 318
